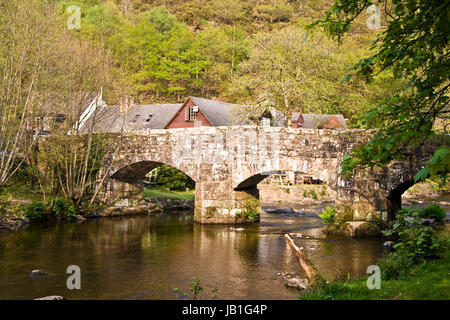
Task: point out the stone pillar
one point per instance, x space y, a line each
364 197
217 203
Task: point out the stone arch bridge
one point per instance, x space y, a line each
227 163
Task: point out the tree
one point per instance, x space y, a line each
161 55
413 46
24 56
289 71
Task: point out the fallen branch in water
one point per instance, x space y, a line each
312 273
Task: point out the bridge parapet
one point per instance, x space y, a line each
227 163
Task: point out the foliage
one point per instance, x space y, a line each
173 179
313 194
420 243
433 211
59 208
328 215
250 211
72 164
168 50
417 241
196 288
290 72
395 265
63 208
35 211
428 280
413 47
437 166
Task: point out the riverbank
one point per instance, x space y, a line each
427 281
401 277
15 200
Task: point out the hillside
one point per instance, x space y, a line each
250 52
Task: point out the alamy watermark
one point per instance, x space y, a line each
74 280
74 21
374 21
374 281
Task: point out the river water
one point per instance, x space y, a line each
145 257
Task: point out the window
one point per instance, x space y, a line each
191 113
265 122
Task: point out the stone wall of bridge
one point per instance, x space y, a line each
228 162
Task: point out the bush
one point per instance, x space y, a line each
420 243
395 265
63 208
250 211
433 211
416 241
313 194
35 211
328 215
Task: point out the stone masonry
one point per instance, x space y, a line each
227 163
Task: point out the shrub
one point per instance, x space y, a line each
63 208
313 194
420 243
35 211
328 215
416 241
251 210
433 211
395 265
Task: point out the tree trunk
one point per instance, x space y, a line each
304 259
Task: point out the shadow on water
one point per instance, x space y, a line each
146 257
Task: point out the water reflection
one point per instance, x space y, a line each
146 257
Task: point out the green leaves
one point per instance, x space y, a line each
437 166
414 48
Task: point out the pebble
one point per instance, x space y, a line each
38 273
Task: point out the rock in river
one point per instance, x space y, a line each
50 298
39 273
292 280
278 209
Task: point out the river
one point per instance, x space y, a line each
146 257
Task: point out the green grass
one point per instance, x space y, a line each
158 192
429 280
21 192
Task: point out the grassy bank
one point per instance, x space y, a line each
428 280
160 192
419 268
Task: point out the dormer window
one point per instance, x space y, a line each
265 122
149 118
191 113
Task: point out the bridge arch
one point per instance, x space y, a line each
136 171
324 169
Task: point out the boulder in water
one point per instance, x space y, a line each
50 298
38 273
278 209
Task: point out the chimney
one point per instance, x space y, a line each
126 103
